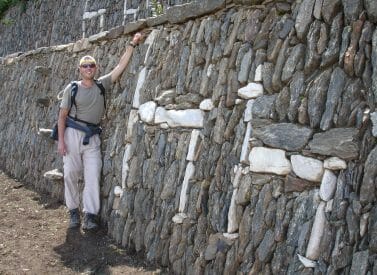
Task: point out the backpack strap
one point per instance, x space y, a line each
74 88
103 91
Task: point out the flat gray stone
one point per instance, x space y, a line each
338 142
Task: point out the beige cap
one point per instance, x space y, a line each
88 60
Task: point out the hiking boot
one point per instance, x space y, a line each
74 220
90 222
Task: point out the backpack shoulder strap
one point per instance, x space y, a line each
74 88
102 88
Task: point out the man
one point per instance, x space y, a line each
78 136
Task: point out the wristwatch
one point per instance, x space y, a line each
132 44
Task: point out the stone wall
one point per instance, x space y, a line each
240 138
46 23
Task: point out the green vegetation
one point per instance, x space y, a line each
157 8
6 4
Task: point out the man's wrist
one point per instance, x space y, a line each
132 44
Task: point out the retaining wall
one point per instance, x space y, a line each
241 138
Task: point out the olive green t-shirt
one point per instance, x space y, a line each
89 101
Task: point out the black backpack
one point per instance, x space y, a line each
74 87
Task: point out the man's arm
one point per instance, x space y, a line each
125 59
63 113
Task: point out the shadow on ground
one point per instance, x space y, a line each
91 253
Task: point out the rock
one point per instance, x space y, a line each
252 90
306 262
352 9
373 118
337 82
339 142
166 97
206 105
304 18
317 97
312 58
360 262
146 111
307 168
331 54
190 170
263 107
294 62
286 136
191 118
266 247
55 174
232 218
181 13
329 9
371 8
193 152
293 184
312 250
264 160
328 185
296 88
367 188
334 163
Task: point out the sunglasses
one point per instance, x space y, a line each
92 65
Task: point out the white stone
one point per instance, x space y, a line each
232 216
210 70
149 41
246 170
132 119
101 11
164 126
328 185
245 145
258 73
139 85
306 262
307 168
237 176
266 160
252 90
366 116
116 203
190 170
335 163
231 236
118 191
193 146
364 224
44 131
147 110
90 14
373 117
179 218
206 105
125 167
190 118
329 206
54 174
247 116
238 101
313 249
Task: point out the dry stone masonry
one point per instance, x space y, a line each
241 138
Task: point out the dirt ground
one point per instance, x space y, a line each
34 239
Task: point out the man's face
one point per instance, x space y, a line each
88 70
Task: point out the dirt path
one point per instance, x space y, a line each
34 239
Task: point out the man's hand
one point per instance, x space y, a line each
62 148
137 38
